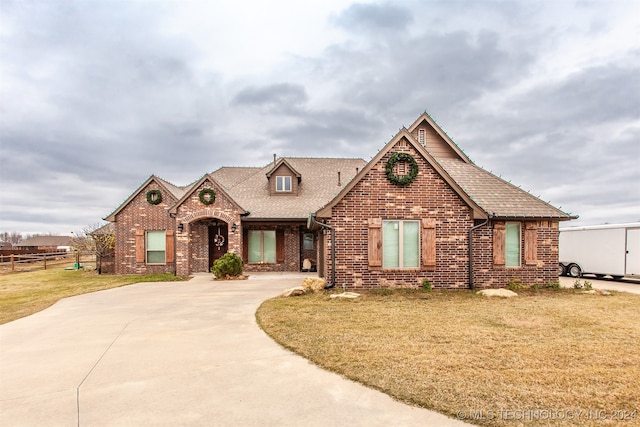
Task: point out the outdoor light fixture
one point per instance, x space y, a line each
180 228
233 227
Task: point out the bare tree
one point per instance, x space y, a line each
14 237
97 239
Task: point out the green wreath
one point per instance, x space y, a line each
207 196
154 197
406 179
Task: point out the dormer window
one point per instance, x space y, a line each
283 183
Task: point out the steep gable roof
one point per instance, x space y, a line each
485 193
175 191
325 211
444 141
206 178
281 162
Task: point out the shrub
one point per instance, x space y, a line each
426 285
553 285
514 284
228 264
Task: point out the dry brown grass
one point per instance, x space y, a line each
25 293
456 351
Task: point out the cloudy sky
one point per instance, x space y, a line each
95 96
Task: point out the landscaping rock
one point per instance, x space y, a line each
349 295
504 293
294 292
313 284
592 292
605 293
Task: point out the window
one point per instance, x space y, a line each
421 137
262 246
156 244
512 244
307 241
283 183
400 244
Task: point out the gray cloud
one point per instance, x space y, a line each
280 96
95 98
373 17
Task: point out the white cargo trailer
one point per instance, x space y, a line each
603 250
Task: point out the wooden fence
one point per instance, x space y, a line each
39 261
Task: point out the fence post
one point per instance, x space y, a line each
13 264
45 261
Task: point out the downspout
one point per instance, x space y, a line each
471 230
332 283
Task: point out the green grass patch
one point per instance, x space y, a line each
546 349
22 294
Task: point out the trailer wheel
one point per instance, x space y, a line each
574 270
617 277
562 269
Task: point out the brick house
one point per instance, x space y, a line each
420 209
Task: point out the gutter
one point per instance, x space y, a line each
332 283
470 241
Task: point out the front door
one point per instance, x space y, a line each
218 242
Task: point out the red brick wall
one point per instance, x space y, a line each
545 271
192 245
428 196
140 215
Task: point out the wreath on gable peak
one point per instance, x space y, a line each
207 196
154 197
405 179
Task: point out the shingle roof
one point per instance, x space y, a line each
496 196
46 241
319 184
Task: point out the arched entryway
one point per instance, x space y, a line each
208 241
203 236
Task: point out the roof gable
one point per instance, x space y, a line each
169 188
488 195
402 135
436 141
202 181
285 163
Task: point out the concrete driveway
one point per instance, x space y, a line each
628 285
179 353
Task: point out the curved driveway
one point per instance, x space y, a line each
179 353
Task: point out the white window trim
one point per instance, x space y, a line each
281 184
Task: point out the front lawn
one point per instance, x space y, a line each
489 361
22 294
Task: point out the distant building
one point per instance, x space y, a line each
47 243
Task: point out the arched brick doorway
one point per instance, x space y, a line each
208 241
